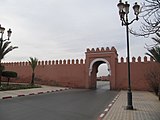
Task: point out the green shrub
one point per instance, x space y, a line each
6 87
9 74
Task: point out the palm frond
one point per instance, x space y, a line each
154 53
157 38
7 50
5 45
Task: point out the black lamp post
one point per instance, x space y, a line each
123 12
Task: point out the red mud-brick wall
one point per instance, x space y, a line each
139 68
63 73
74 73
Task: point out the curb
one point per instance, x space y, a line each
102 115
20 95
7 97
38 93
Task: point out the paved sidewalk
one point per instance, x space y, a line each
146 104
33 91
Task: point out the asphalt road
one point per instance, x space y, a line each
65 105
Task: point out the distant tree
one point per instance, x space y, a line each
33 63
150 13
153 76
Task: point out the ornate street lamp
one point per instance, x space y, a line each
9 32
123 13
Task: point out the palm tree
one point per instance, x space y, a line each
33 63
4 49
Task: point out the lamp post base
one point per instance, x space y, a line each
129 106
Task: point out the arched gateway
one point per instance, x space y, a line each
94 58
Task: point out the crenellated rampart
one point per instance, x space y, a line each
138 59
140 66
81 73
48 62
51 72
102 49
